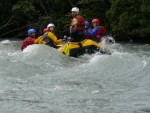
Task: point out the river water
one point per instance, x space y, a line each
42 80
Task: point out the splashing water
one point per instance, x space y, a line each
42 80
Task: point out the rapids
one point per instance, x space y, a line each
42 80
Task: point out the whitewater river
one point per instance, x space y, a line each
42 80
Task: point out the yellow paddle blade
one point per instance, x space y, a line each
65 49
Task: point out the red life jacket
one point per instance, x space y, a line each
28 41
101 32
81 24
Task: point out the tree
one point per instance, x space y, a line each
127 19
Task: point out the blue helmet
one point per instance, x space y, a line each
30 31
87 23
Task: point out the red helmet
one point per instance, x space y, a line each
45 30
95 21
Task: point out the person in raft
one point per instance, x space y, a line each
97 32
29 40
77 26
49 38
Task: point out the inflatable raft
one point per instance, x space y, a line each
76 49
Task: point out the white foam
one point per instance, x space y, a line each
5 41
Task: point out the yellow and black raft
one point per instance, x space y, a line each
87 46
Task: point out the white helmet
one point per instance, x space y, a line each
75 9
50 25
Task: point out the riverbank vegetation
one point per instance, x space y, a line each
125 20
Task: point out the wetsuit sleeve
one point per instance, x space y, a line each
92 32
54 38
22 46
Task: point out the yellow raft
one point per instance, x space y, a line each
87 46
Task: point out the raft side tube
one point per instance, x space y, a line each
86 46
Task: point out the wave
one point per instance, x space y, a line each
42 76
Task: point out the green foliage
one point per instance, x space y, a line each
129 19
24 7
95 9
5 10
125 19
